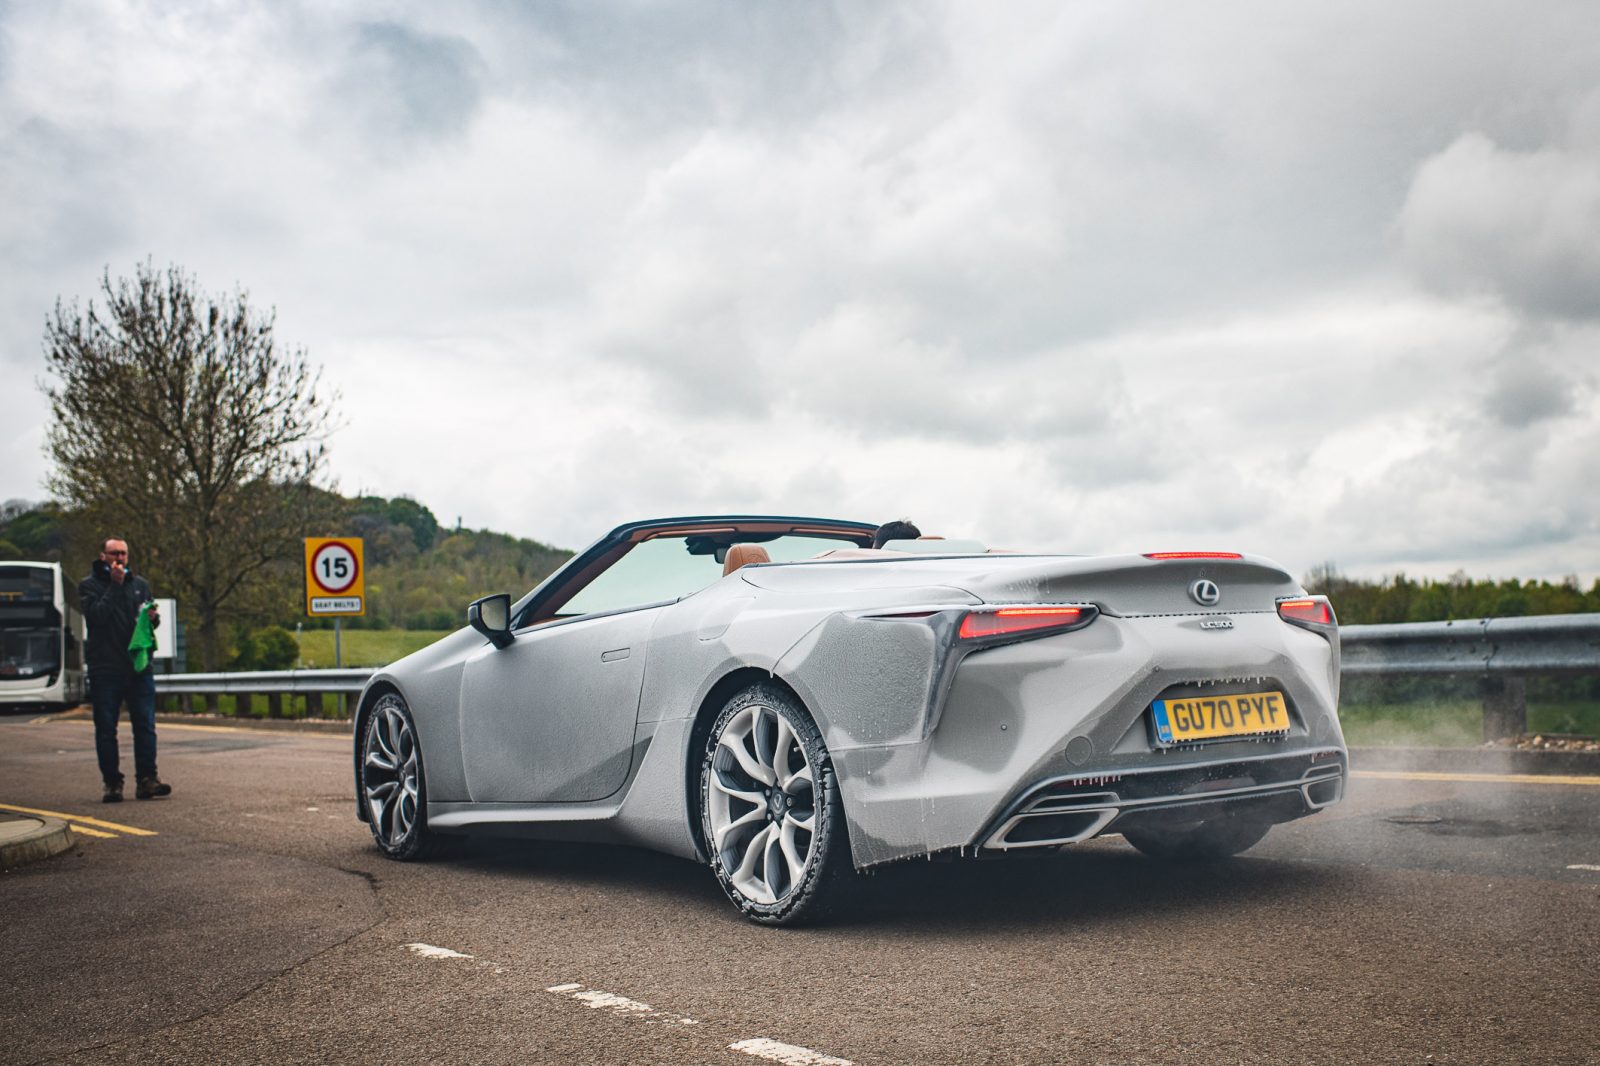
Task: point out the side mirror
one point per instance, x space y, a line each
491 616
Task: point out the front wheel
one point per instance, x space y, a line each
392 785
770 810
1215 838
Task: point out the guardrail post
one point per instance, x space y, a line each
274 705
1505 707
313 705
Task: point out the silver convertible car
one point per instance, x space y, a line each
776 698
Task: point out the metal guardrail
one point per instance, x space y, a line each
348 681
1503 652
1560 644
274 684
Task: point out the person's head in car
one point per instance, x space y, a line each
902 529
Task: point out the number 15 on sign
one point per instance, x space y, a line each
335 578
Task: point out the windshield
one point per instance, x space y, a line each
30 652
30 625
27 584
665 569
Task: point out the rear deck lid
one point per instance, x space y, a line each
1119 584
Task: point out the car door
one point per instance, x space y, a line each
551 716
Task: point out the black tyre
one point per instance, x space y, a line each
770 810
393 786
1215 838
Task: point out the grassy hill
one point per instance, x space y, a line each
420 576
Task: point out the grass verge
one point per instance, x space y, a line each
363 647
258 706
1454 723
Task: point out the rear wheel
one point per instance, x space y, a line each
1215 838
770 810
392 785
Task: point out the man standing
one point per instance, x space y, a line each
112 597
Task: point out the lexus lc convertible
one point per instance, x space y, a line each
779 700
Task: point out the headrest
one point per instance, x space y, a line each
743 555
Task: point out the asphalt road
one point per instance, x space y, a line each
1422 920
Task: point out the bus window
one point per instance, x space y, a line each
27 584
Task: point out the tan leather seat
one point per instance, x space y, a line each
743 555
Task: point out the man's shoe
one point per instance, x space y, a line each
113 792
151 787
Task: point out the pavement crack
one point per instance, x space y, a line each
370 878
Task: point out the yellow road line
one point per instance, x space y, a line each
120 828
1487 779
86 831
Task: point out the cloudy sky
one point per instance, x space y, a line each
1320 282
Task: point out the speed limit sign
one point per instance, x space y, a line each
335 580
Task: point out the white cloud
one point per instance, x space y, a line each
1099 278
1522 226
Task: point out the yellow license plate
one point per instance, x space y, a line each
1242 714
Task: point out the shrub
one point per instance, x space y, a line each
439 618
245 653
276 648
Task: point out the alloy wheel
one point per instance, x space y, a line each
761 804
389 775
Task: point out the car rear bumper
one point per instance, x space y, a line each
1050 741
1067 810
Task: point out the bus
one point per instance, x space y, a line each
41 638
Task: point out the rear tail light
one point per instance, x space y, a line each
1023 621
1307 611
1193 555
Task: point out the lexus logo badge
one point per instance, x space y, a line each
1205 593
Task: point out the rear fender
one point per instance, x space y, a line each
869 681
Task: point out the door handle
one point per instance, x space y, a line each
614 655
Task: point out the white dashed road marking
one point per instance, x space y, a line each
1584 866
760 1047
428 951
595 999
788 1054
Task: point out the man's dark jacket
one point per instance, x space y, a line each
111 610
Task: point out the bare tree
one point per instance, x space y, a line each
179 423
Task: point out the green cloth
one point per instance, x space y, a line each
143 641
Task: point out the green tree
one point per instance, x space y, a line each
1399 599
180 423
37 531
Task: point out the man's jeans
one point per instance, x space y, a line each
107 692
